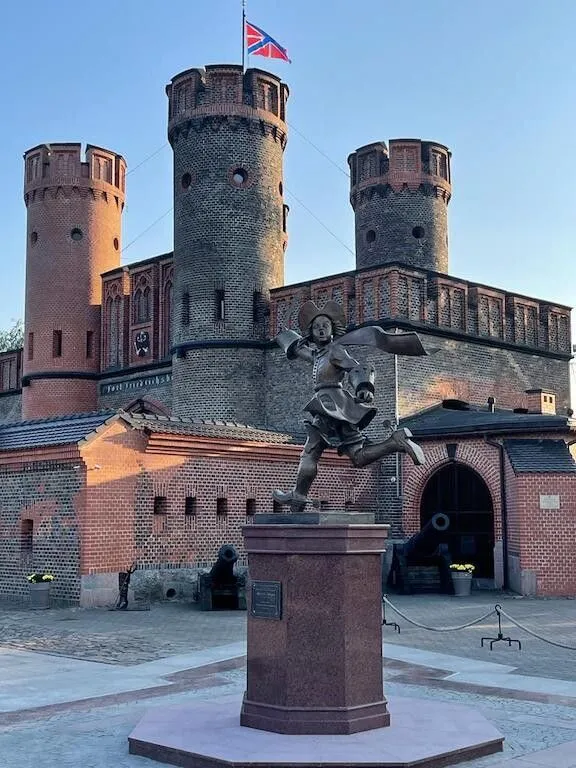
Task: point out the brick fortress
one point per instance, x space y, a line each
149 415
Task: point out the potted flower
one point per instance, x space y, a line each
462 578
40 584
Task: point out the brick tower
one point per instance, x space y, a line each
400 199
228 132
73 235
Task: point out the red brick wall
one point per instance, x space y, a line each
119 525
548 536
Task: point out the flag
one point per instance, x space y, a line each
261 44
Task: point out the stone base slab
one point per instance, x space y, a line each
319 720
208 734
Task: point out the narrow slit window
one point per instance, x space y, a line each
186 308
160 518
30 346
89 344
27 537
56 343
221 507
219 304
250 507
257 307
190 510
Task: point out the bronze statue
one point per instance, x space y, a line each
336 417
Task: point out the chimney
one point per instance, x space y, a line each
491 404
541 401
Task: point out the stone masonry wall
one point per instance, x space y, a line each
10 407
39 505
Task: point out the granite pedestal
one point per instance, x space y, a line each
314 695
314 666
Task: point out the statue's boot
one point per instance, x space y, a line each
295 500
398 442
402 439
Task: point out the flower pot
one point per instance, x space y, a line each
462 583
40 595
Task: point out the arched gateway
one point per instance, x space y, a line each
460 493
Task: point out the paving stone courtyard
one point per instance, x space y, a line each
75 682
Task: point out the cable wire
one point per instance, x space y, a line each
140 164
335 236
148 228
306 139
438 629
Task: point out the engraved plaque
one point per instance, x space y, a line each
266 600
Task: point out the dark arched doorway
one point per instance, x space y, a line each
460 492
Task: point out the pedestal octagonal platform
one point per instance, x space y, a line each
208 734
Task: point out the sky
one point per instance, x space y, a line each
493 80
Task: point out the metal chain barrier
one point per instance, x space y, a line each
437 629
497 610
535 634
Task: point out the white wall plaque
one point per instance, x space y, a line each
550 502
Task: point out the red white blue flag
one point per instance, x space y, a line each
261 44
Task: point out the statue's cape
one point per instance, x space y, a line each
404 343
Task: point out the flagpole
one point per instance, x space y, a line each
243 35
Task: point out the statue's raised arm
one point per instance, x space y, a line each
336 416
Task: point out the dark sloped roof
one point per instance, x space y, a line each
440 420
44 432
539 456
208 428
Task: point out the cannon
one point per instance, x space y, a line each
222 589
422 564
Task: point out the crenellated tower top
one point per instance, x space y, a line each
63 165
400 195
225 92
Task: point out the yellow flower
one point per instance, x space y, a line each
463 567
38 578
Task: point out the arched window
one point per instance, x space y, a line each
142 304
113 318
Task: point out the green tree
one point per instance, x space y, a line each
12 338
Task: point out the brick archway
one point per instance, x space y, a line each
146 405
479 456
459 492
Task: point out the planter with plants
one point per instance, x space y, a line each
462 578
40 584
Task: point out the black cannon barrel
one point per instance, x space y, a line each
222 571
426 541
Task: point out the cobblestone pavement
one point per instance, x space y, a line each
93 733
133 637
120 637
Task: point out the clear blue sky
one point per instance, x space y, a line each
494 80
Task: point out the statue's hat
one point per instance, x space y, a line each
309 311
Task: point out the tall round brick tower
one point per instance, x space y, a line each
400 197
228 132
74 211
